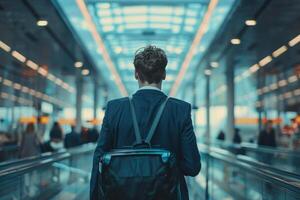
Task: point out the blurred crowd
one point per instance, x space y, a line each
31 142
270 137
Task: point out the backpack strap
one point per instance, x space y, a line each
135 124
155 122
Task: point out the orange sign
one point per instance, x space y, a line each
66 121
246 121
44 120
27 120
274 120
254 121
95 121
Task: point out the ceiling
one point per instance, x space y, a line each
122 27
37 63
104 36
258 70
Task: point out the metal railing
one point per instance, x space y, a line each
225 175
45 176
281 158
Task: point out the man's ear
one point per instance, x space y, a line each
136 75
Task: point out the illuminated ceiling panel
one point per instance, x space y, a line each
126 26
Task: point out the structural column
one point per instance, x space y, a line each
230 101
79 91
195 107
96 99
207 107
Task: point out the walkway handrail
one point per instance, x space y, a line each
6 164
286 179
22 168
285 182
258 148
276 170
277 150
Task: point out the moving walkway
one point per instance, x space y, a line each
62 175
224 175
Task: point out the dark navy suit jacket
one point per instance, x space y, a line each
174 132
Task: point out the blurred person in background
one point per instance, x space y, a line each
221 136
30 144
237 137
72 139
93 135
84 135
296 138
267 136
56 139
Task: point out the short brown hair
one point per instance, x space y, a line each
150 63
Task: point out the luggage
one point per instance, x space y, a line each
140 172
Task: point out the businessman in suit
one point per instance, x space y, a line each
174 131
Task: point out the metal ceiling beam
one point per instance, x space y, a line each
161 36
129 56
205 2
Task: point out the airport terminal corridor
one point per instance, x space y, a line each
236 63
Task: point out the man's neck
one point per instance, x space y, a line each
156 85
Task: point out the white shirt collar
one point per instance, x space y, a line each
147 87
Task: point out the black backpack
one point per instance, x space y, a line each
140 172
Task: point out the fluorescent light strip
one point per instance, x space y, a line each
294 41
51 77
27 90
279 51
273 86
265 89
42 71
58 81
190 54
297 92
288 95
4 46
29 63
17 86
265 61
250 22
254 68
32 64
7 82
99 42
78 64
32 92
65 86
282 83
276 54
85 72
4 95
18 56
214 64
292 78
42 23
235 41
39 95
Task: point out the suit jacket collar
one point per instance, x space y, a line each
147 92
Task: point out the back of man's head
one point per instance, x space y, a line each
150 64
